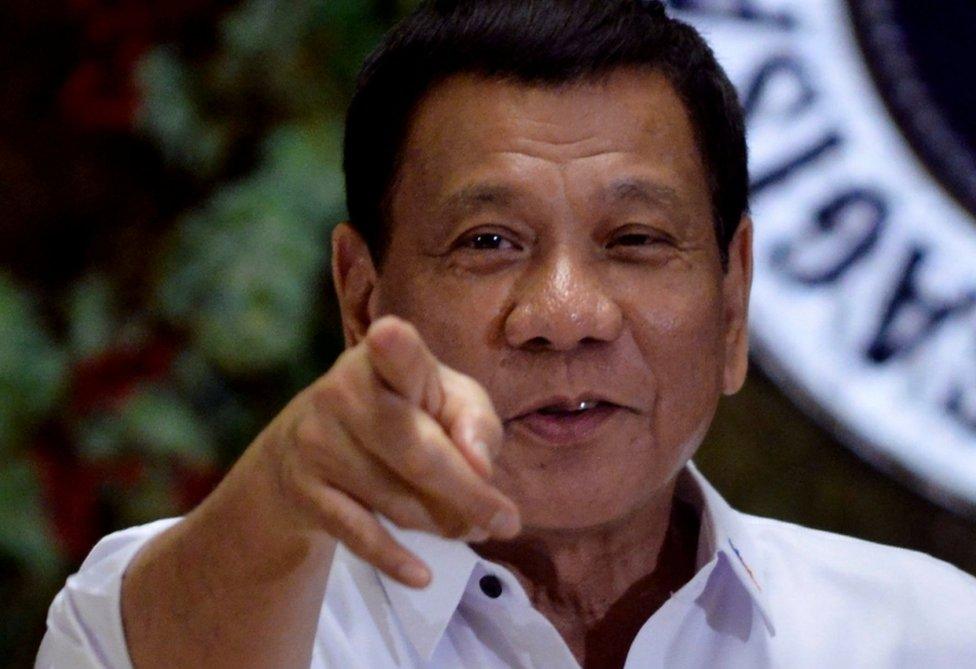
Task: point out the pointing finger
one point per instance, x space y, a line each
404 363
469 418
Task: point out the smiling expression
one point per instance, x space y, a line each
557 245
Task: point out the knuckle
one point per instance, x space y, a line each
406 515
340 521
297 492
308 433
373 542
420 461
337 395
287 482
399 515
453 526
389 410
323 395
386 426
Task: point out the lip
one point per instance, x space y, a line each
565 429
564 401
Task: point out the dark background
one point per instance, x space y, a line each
168 176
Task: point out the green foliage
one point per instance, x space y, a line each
245 272
91 313
155 423
141 389
172 117
164 425
32 367
24 534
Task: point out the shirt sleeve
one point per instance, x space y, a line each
84 623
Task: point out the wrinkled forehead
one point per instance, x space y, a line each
467 110
497 137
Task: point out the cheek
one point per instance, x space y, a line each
458 320
679 333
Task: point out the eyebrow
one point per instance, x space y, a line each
476 197
642 191
472 199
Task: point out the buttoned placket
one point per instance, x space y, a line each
494 593
469 589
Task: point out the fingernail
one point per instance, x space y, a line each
481 448
504 524
476 535
413 573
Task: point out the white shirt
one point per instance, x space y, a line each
766 594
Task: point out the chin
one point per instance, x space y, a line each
578 506
592 490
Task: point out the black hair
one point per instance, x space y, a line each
535 42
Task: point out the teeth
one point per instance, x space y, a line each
576 408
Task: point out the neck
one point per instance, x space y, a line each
599 585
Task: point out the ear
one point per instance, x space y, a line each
355 279
737 284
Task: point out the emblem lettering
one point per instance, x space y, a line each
805 157
962 406
911 315
779 66
844 231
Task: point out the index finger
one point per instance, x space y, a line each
402 360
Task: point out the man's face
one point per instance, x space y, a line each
557 245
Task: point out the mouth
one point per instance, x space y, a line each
563 422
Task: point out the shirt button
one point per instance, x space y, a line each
491 586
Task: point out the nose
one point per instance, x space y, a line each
561 304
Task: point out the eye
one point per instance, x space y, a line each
488 241
631 237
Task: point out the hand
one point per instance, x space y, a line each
390 429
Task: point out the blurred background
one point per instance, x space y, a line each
169 174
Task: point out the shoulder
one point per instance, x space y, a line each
84 622
828 553
845 585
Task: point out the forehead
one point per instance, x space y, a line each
471 130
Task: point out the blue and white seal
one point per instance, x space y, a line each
862 131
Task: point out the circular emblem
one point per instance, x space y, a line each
862 135
918 58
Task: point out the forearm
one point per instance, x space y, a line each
230 586
240 582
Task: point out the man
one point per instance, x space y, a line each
544 288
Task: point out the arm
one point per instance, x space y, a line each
227 586
240 582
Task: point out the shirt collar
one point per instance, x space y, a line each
425 614
725 534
